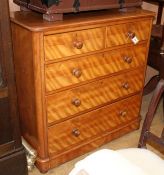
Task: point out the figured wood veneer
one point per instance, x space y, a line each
62 45
118 34
97 122
59 105
93 144
79 81
60 74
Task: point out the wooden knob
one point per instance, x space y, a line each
131 35
76 72
122 113
78 44
127 59
75 132
76 102
125 85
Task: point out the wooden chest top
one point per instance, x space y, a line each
34 22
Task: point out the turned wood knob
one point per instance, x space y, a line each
125 85
131 35
76 102
123 113
127 59
76 72
78 44
75 132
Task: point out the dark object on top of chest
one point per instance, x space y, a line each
53 10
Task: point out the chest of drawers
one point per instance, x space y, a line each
80 80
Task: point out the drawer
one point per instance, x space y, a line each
73 43
66 73
86 127
122 33
70 102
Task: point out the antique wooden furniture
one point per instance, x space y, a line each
146 134
154 57
53 9
12 154
80 80
129 160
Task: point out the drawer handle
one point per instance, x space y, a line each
78 44
122 113
76 132
76 72
125 85
127 59
133 37
131 34
76 102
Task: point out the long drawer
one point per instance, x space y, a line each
73 43
82 128
66 73
70 102
123 33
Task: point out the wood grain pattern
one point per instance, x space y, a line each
60 74
117 34
54 98
92 144
62 45
59 105
12 153
35 23
25 81
27 62
60 136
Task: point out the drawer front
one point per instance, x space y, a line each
66 73
67 103
85 127
73 43
123 33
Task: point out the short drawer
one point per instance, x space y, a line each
70 72
73 43
70 102
123 33
73 132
